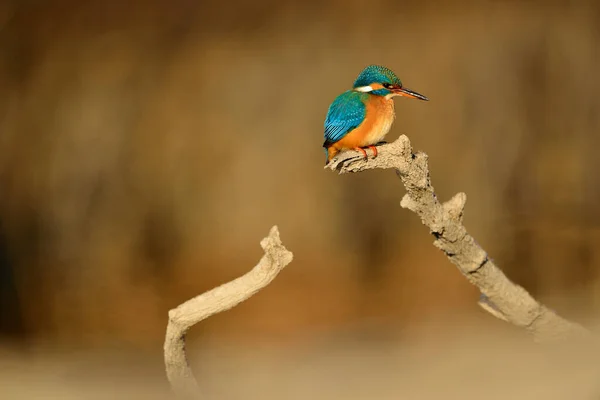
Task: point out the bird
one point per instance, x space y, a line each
360 118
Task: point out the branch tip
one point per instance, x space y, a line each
455 206
272 239
405 146
408 203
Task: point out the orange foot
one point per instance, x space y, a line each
362 150
374 150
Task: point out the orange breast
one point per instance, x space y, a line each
379 118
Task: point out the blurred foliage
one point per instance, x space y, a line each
147 146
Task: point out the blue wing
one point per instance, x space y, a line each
345 113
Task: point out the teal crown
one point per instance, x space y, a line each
376 74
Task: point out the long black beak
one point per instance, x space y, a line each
409 93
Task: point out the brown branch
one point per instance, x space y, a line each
499 296
214 301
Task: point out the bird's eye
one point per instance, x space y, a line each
387 85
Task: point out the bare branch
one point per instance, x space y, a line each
501 297
214 301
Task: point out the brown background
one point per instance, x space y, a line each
147 146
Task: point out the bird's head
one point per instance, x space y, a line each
382 81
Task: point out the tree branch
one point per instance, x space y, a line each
499 296
214 301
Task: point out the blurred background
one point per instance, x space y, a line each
146 147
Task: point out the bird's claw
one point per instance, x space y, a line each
337 164
364 152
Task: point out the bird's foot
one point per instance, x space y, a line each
363 151
374 151
347 159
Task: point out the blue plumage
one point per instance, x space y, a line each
377 73
345 113
374 87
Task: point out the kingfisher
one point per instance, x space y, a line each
361 117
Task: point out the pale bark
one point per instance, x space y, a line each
214 301
499 296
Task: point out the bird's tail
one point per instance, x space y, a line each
330 152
